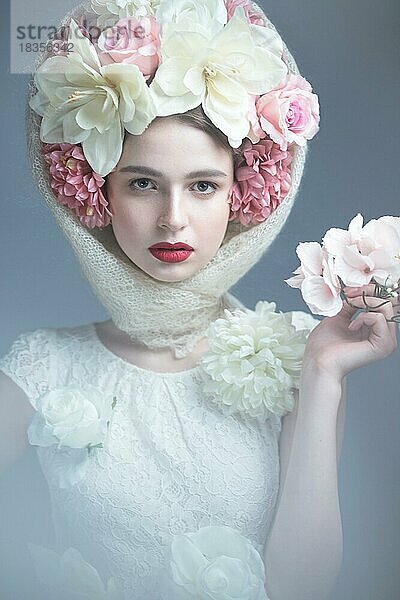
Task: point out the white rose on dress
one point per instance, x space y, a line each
70 416
217 563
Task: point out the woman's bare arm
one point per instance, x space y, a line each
304 551
15 415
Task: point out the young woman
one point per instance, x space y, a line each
153 482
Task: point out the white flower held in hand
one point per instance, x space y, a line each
352 258
218 563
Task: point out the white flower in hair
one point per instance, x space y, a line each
82 101
254 360
207 13
110 11
268 38
216 69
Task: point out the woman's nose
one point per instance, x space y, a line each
173 215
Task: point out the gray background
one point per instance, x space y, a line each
349 51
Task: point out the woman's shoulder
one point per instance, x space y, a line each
32 356
26 360
38 342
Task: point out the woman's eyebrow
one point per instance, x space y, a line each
153 173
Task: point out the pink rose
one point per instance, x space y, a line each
290 112
255 133
132 41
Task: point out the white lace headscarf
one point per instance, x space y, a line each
155 313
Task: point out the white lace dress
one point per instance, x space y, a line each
173 463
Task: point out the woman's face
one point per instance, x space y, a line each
171 184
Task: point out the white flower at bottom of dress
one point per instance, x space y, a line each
69 576
254 360
217 563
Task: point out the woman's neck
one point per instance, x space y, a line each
160 359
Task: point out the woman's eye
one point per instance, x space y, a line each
209 185
138 182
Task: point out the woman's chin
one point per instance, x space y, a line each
170 273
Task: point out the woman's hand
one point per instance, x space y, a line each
336 348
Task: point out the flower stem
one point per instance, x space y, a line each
380 291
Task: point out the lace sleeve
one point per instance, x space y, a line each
27 363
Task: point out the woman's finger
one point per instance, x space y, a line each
369 289
351 292
378 305
378 338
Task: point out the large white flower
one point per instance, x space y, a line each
82 101
111 11
69 576
254 360
218 70
218 563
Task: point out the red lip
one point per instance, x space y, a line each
169 246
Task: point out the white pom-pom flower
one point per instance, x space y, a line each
254 360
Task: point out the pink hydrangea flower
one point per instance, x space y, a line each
76 185
251 15
262 183
133 41
290 112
